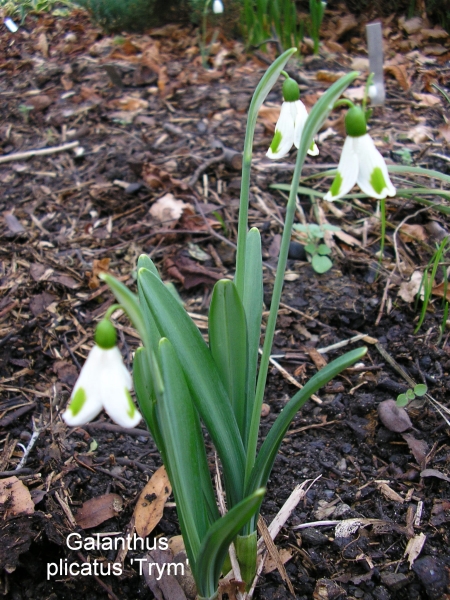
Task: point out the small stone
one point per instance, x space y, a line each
393 417
265 410
394 581
297 251
432 575
313 537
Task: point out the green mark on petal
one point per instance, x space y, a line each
131 407
77 401
336 185
276 141
377 180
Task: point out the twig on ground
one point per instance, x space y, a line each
42 152
28 449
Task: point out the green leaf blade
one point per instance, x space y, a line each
219 537
228 344
202 377
264 461
253 301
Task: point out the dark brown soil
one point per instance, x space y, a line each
151 121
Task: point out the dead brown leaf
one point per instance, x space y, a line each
15 498
98 266
434 473
317 358
97 510
167 210
40 102
150 506
400 74
426 100
419 448
439 290
409 233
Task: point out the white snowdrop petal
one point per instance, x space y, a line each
373 176
284 133
118 403
85 401
301 114
347 171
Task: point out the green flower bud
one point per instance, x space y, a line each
291 92
105 335
355 122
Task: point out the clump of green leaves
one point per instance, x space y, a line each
318 251
266 19
419 390
131 15
316 12
18 9
428 279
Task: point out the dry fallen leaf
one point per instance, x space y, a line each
426 100
434 473
15 497
167 210
408 233
270 564
420 134
98 266
439 290
389 493
97 510
400 74
414 548
408 289
150 506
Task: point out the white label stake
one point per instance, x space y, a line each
375 47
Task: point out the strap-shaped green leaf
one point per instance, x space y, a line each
145 262
129 302
146 395
182 442
202 377
228 344
253 306
215 545
268 80
269 449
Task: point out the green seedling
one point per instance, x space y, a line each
426 285
318 251
419 390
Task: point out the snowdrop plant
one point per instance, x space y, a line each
290 124
360 162
104 382
182 382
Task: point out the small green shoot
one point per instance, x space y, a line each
419 390
428 280
319 252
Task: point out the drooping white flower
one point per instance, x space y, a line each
290 124
104 382
360 162
217 7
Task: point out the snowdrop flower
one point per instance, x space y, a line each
289 128
217 7
104 382
360 162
